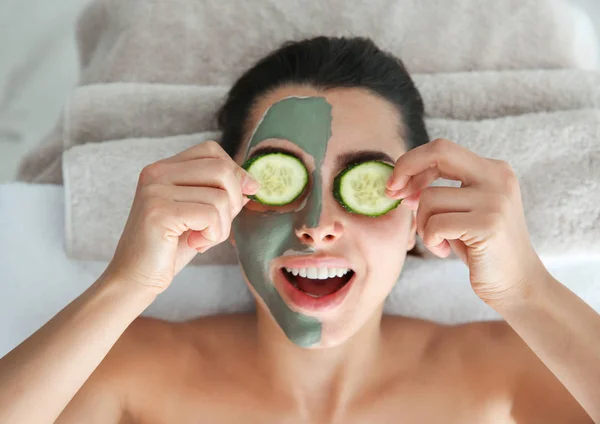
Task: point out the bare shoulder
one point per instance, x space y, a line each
112 390
155 336
479 341
489 338
490 350
142 352
157 363
535 392
154 343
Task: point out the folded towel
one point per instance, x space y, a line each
557 159
102 112
214 41
438 290
100 181
555 155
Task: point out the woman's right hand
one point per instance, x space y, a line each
183 205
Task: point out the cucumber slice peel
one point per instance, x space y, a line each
360 188
282 178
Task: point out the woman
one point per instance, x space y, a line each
318 348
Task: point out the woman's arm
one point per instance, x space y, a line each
483 222
42 375
183 205
564 332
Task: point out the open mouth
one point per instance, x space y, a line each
318 282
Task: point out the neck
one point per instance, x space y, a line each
328 377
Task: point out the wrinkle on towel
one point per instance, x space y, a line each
184 42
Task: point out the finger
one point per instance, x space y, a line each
159 171
460 249
436 200
416 184
214 173
184 253
198 242
462 226
412 202
215 197
453 162
442 250
206 149
219 199
217 172
203 220
213 150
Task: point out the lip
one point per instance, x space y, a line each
302 302
314 262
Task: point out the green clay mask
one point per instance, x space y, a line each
263 236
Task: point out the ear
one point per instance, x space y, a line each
412 232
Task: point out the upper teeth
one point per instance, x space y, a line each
318 273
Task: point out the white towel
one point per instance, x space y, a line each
437 290
555 155
212 42
102 112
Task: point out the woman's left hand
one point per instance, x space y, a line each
482 221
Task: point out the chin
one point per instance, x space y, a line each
336 332
327 343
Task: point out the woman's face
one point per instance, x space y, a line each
327 130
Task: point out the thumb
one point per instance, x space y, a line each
460 249
184 252
249 184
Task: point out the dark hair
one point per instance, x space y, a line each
324 62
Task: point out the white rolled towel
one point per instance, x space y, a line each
102 112
555 155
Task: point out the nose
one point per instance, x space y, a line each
319 223
325 233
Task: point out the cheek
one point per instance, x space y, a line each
383 242
390 230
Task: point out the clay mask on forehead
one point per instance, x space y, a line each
263 236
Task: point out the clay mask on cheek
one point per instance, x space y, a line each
262 237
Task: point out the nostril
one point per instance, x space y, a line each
306 237
329 237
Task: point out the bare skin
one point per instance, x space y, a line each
97 362
210 370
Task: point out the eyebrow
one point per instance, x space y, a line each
358 156
342 161
268 150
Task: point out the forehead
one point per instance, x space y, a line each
359 119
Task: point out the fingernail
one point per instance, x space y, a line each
209 234
394 193
397 187
393 185
249 183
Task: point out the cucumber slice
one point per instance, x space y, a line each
360 188
282 178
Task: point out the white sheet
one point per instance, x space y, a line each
37 279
